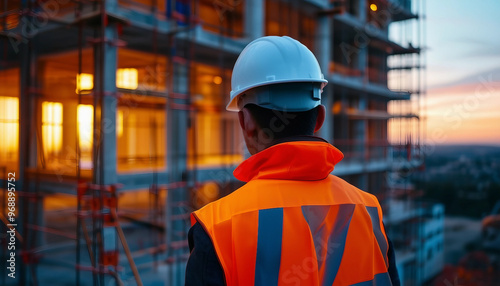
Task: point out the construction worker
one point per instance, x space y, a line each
293 222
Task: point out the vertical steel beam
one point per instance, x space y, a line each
177 127
105 59
254 18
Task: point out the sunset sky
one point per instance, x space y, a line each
463 72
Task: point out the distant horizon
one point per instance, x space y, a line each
465 144
462 105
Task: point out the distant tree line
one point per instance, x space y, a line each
457 199
468 184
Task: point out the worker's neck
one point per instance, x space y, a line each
262 147
297 138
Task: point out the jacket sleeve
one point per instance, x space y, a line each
393 270
203 266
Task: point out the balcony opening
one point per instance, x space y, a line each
141 133
214 137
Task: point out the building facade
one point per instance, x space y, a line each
119 105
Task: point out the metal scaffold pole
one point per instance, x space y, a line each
79 225
178 108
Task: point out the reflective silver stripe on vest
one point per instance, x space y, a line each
382 243
315 215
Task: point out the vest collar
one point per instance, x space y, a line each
298 160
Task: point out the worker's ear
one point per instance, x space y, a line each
247 122
249 128
321 118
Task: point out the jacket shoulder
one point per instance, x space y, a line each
352 192
221 209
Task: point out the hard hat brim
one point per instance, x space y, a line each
233 103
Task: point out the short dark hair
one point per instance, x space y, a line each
283 124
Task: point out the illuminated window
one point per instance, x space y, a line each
52 113
9 128
127 78
146 71
119 123
84 82
85 119
208 133
140 129
214 137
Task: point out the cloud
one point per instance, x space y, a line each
490 78
437 103
486 50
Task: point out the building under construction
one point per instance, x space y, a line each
112 117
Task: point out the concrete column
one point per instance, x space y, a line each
362 63
362 10
105 59
177 127
323 52
254 18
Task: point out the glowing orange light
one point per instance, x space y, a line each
217 80
9 126
119 123
373 7
84 82
127 78
337 107
85 114
52 126
12 20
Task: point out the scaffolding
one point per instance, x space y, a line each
96 34
407 72
167 134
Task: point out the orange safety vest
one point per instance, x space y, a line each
294 223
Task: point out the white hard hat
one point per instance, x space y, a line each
276 73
